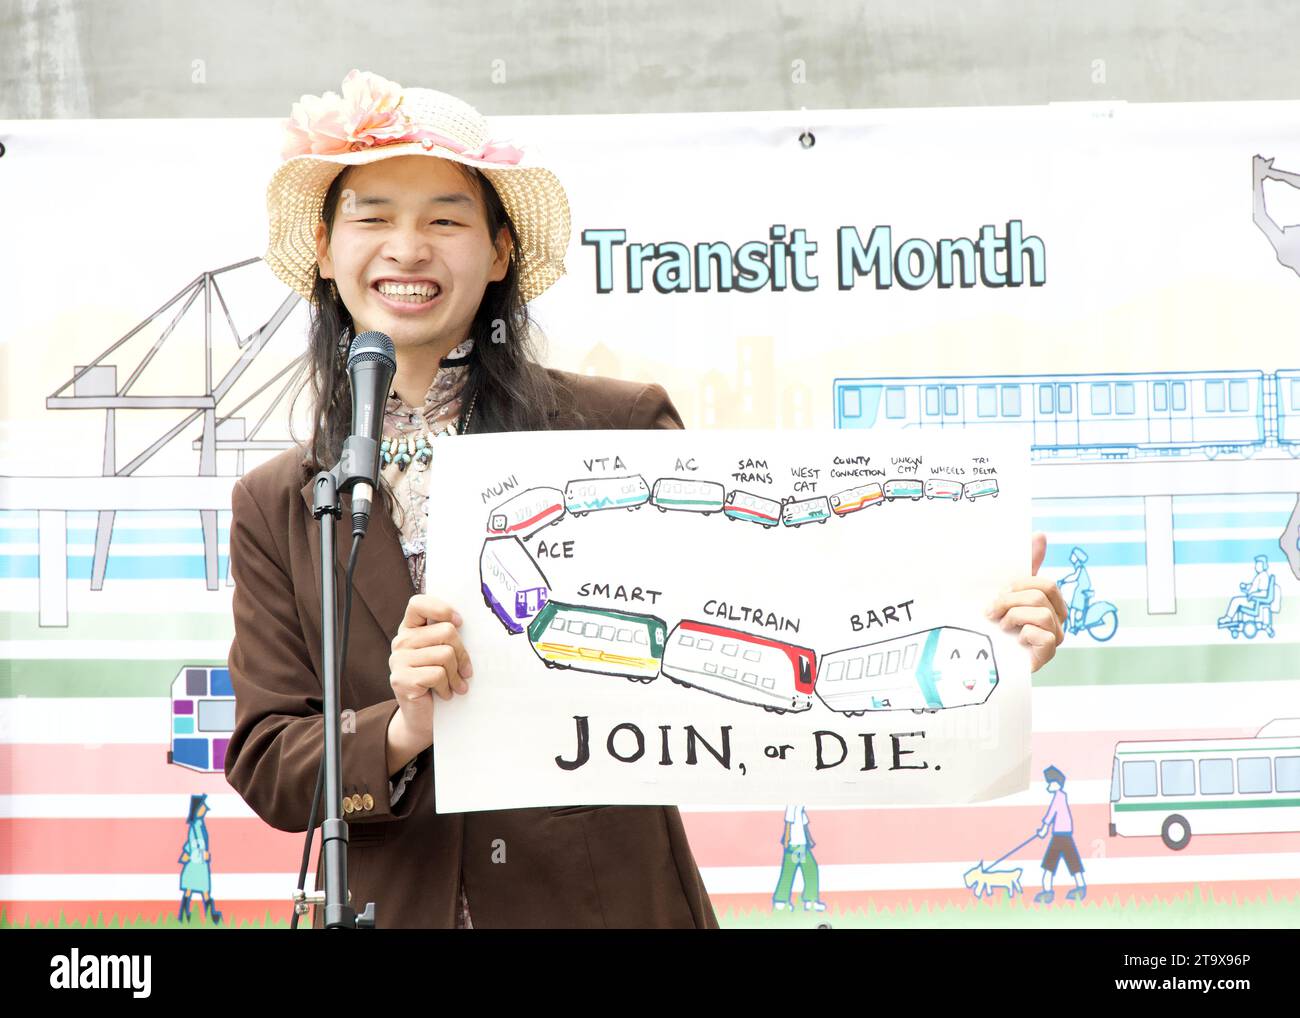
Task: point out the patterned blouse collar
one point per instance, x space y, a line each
441 402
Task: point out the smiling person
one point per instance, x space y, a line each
393 211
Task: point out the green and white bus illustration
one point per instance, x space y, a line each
687 495
603 640
1207 786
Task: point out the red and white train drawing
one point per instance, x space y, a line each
740 666
526 513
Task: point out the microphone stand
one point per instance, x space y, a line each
350 471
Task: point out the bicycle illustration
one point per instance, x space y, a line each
1099 619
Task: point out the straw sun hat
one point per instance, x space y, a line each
375 119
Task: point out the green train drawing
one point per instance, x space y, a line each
602 640
686 494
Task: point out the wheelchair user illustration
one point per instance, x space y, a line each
1252 611
1100 619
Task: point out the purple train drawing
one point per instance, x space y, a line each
514 587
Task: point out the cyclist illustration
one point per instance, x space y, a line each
1099 619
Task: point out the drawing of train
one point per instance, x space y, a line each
777 676
602 640
1114 415
978 489
931 670
943 487
744 505
686 494
513 584
797 512
591 494
528 512
854 499
906 487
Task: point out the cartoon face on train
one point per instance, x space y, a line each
962 667
526 513
795 513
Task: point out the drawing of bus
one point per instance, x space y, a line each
741 666
854 499
602 640
528 512
513 584
1174 788
943 487
591 494
977 489
202 718
904 487
930 671
797 513
687 495
744 505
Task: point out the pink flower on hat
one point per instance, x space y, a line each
367 114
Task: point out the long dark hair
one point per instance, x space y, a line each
505 383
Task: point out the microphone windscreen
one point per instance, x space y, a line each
372 346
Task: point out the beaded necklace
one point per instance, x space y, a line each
403 451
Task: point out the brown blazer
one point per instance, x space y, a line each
574 866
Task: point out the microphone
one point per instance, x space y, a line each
372 363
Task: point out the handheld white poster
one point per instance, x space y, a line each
685 617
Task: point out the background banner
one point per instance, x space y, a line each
1118 279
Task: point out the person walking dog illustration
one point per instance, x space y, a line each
1058 821
196 874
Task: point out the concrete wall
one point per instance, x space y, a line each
252 58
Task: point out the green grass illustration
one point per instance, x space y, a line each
1194 909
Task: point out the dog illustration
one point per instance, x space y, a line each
983 882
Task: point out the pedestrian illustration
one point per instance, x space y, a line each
196 874
1060 824
798 843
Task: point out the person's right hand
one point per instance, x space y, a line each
428 659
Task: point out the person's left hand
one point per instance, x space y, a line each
1034 608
